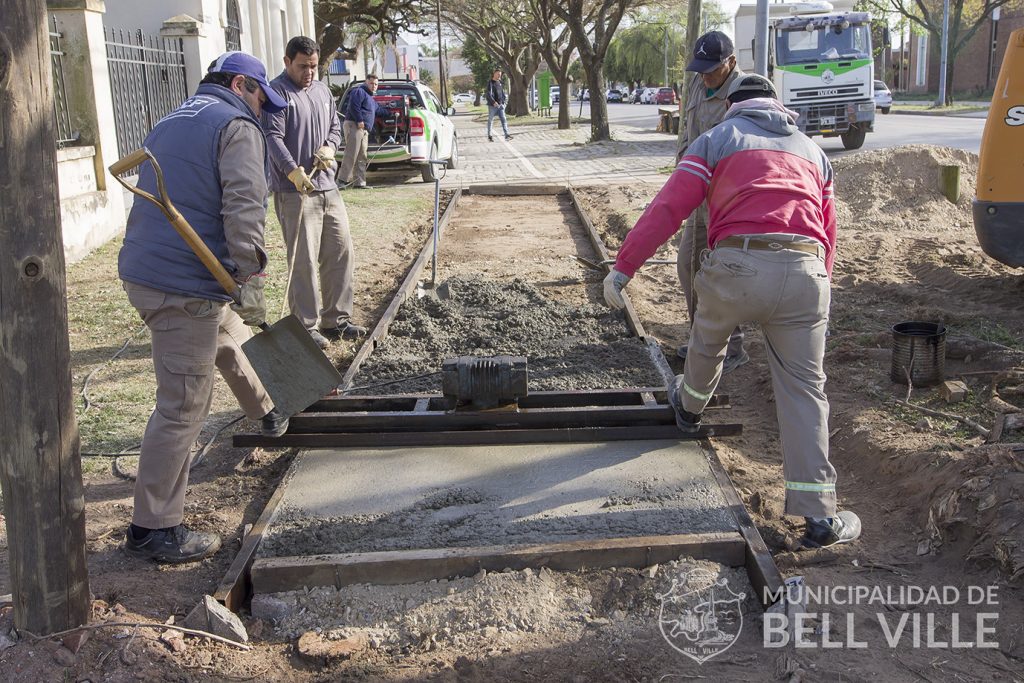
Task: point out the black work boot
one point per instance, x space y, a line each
346 330
273 424
843 528
687 422
174 545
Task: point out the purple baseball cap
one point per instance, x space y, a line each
246 65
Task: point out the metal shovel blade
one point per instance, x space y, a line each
293 369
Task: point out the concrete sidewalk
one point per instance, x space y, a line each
540 153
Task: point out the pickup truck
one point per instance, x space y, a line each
411 127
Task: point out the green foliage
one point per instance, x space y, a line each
638 53
427 77
480 62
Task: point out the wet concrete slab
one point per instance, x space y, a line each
369 500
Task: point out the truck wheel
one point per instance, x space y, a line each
854 138
453 160
429 170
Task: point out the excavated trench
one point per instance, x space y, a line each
508 284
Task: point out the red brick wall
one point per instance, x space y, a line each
972 61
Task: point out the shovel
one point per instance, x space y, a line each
292 368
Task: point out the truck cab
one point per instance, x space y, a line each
821 64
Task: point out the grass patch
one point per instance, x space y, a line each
994 332
100 320
952 109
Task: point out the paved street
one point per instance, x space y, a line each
541 153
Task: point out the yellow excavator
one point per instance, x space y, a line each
999 205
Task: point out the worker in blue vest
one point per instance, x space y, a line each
213 155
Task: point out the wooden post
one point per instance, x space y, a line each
693 32
40 470
949 181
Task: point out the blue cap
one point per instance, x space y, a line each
245 64
712 48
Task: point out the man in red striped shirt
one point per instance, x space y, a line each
771 245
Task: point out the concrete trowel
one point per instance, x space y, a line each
292 368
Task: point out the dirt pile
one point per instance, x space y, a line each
568 346
897 190
492 611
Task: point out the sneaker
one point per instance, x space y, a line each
364 187
320 339
688 423
732 361
175 545
843 528
344 331
490 138
508 137
273 424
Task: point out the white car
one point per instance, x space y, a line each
411 127
648 95
883 98
462 98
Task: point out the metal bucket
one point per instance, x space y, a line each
920 349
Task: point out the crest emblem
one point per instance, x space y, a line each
700 615
828 76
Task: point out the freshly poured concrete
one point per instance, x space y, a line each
364 500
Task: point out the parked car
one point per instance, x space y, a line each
556 91
634 97
665 96
411 127
584 95
883 98
462 98
614 95
647 97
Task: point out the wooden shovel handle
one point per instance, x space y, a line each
197 245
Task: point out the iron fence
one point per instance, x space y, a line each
147 82
61 112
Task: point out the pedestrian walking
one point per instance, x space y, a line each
360 114
713 69
305 135
496 101
214 160
771 245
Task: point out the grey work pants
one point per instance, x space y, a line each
320 254
693 241
191 337
356 157
787 293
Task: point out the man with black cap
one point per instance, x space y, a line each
772 241
714 69
214 160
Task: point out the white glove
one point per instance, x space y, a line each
614 283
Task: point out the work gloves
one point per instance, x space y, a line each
251 307
614 283
323 159
301 181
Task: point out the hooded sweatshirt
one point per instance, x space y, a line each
760 175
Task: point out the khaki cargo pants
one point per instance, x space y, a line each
787 292
319 246
356 157
191 337
693 241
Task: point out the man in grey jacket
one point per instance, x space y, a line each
213 156
302 140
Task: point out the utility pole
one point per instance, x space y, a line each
440 59
40 466
943 65
693 13
993 37
665 52
761 38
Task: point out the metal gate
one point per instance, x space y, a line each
233 30
147 81
66 132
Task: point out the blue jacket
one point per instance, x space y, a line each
186 143
361 107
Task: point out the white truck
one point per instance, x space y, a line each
821 62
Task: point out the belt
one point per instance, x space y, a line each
769 245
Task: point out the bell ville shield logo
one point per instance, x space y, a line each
700 615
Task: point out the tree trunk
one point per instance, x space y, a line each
599 128
563 102
40 466
519 94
